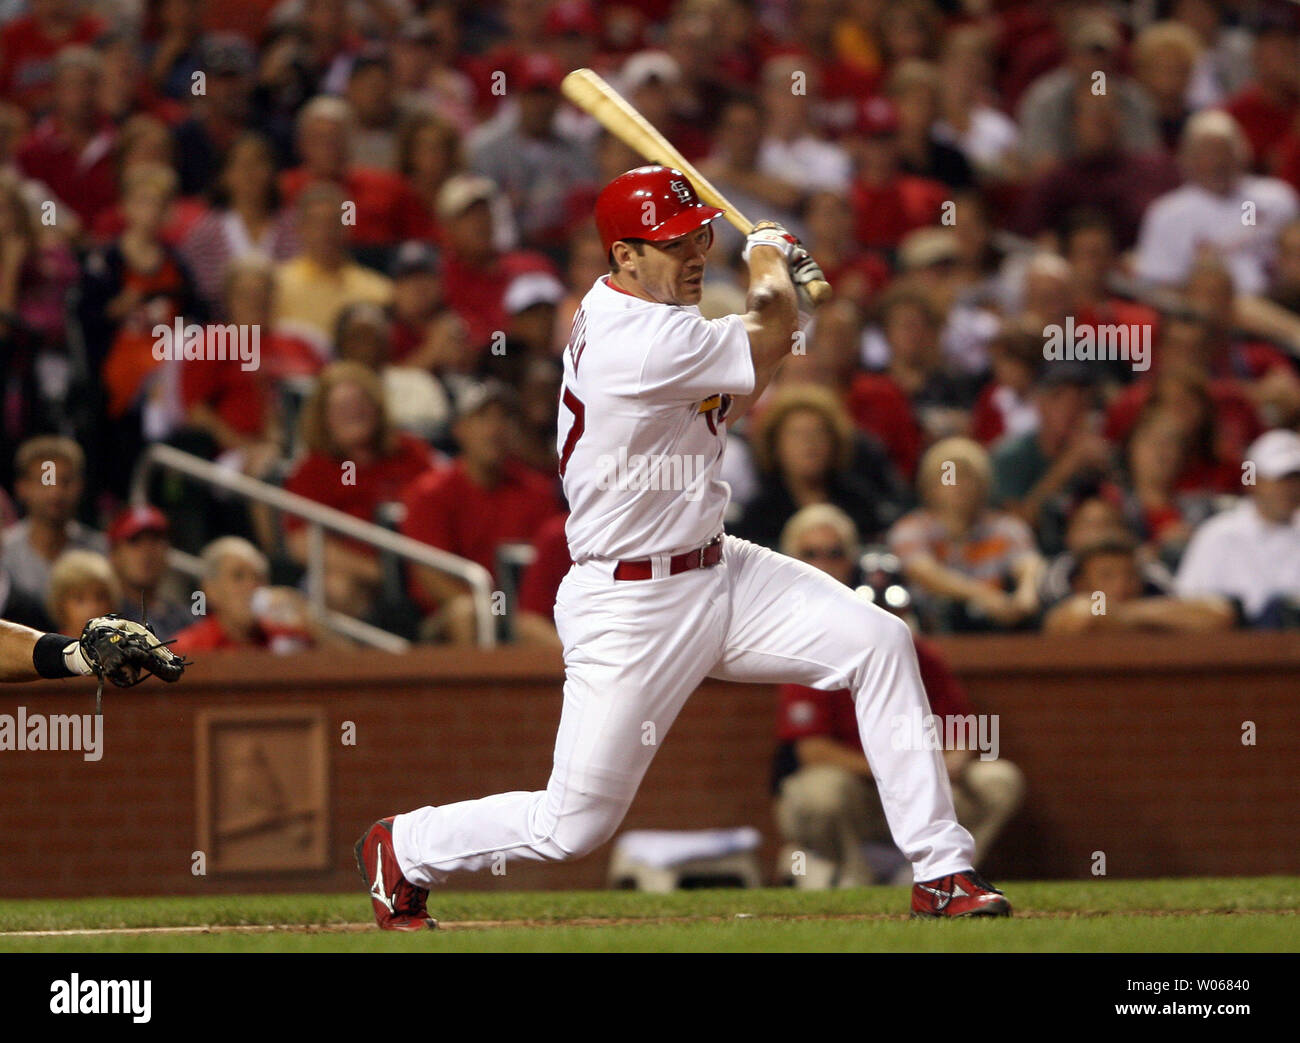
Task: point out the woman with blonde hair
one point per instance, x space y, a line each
355 460
972 567
805 446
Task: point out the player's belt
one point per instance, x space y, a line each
701 558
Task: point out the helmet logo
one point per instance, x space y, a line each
682 189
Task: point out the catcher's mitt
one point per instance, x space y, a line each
125 652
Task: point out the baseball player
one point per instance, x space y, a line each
114 649
658 597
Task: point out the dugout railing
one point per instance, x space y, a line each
320 520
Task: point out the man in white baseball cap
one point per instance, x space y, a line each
1251 553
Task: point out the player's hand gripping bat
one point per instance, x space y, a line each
589 91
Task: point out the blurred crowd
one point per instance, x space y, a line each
395 197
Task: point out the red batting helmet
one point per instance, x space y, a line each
654 203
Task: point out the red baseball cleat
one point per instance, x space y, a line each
958 894
399 904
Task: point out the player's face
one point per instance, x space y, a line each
672 272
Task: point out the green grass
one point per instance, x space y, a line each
1255 914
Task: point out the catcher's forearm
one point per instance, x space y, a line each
29 655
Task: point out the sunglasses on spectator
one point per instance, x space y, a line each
829 553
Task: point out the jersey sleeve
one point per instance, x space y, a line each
692 357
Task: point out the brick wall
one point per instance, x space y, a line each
1132 746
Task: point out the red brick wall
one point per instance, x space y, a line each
1131 746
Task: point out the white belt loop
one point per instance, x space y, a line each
660 565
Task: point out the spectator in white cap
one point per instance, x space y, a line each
1251 553
530 302
652 82
1220 206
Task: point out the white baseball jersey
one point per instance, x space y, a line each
641 438
645 389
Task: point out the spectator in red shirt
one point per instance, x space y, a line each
887 204
241 611
1178 461
483 500
1263 373
146 140
1092 252
428 153
233 406
857 274
71 149
937 399
475 274
535 618
387 208
355 461
28 46
1267 107
417 303
1184 353
827 804
1005 406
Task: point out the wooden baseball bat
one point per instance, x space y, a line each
589 91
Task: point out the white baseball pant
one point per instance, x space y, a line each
634 651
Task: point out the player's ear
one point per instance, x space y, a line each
624 257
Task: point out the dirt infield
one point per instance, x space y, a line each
593 921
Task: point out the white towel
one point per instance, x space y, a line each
662 848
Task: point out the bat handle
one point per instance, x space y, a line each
819 292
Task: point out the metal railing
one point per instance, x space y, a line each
321 519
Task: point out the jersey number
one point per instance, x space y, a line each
579 411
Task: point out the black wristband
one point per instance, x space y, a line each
47 656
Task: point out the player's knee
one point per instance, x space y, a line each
580 831
893 635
